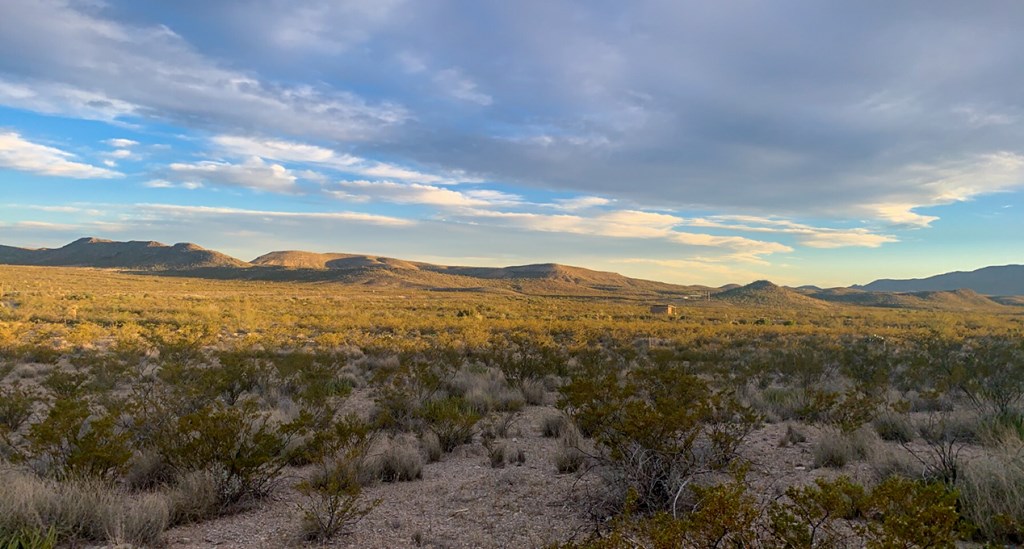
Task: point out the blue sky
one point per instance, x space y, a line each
693 142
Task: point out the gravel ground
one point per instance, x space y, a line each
460 502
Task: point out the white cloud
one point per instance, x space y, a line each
120 153
110 70
254 173
164 184
164 210
628 224
814 237
415 193
324 27
946 182
121 143
290 151
23 155
579 203
453 82
279 149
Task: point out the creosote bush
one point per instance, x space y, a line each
452 420
837 513
656 427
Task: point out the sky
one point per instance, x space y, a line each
687 141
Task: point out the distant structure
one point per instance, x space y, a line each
663 309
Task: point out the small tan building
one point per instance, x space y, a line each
663 309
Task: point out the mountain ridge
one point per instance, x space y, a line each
133 254
996 280
187 259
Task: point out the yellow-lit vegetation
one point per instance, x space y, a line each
133 403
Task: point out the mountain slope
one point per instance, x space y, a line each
1001 280
957 300
94 252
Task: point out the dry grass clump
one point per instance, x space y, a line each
962 428
777 403
430 446
138 521
992 494
569 458
835 448
486 390
891 462
894 427
81 510
534 392
497 454
395 460
194 498
554 424
148 471
792 436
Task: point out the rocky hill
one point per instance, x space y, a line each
763 293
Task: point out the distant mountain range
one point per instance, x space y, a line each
95 252
192 260
1007 280
952 291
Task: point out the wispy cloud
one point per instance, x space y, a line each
254 173
811 236
206 211
453 82
627 224
291 151
415 193
21 154
121 143
111 70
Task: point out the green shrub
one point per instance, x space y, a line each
243 450
332 503
905 513
76 440
29 538
813 515
656 427
452 419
